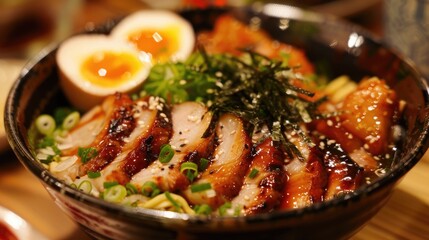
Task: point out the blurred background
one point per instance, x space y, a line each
27 26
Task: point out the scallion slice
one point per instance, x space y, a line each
86 154
203 209
171 199
222 209
131 189
253 173
200 187
150 189
71 120
85 186
115 193
93 174
45 124
190 169
166 154
110 184
203 164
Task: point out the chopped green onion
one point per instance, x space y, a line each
45 124
253 173
166 154
71 120
73 185
190 169
86 154
200 187
203 164
224 207
150 189
47 141
171 199
92 174
203 209
115 193
61 113
85 186
131 189
110 184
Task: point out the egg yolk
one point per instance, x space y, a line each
110 69
160 43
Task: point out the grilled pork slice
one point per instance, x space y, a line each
262 190
190 120
110 141
93 130
143 145
369 113
229 165
307 176
333 130
86 131
344 175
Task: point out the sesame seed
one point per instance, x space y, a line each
193 118
330 123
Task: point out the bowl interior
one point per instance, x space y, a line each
335 47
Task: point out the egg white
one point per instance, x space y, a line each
74 51
158 19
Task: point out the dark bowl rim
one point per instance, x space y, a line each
19 147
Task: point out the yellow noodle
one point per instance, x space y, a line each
339 88
344 91
161 202
336 84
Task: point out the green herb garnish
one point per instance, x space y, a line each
92 174
200 187
166 153
86 154
253 173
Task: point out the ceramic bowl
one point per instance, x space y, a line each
341 47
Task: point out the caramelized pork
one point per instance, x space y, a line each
190 120
142 146
344 175
110 141
94 130
369 113
307 176
262 189
241 36
228 166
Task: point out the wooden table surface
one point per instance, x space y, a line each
405 216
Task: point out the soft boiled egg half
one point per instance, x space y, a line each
93 66
162 34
